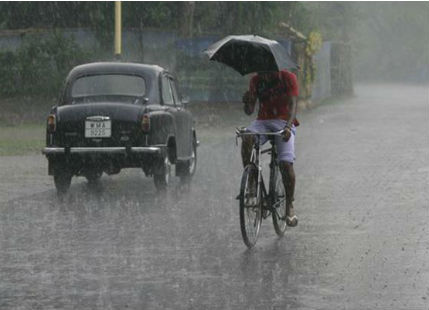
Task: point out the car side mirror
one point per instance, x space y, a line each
184 100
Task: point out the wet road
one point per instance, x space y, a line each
362 241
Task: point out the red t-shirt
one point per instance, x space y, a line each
274 94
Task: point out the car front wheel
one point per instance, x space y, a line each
187 169
163 175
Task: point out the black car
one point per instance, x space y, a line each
115 115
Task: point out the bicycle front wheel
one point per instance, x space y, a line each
250 206
278 202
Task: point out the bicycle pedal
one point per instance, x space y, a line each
251 202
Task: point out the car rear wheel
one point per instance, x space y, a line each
163 175
93 176
62 180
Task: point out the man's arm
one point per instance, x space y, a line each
292 109
288 127
292 104
249 102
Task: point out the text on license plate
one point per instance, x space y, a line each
98 129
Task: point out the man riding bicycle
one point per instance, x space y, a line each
277 94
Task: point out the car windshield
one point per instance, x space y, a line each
109 85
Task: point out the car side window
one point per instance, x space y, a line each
175 95
167 95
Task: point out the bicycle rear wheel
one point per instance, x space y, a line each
278 202
250 206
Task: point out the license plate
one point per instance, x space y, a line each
98 129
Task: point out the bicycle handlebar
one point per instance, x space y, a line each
240 132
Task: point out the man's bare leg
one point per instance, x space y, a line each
288 176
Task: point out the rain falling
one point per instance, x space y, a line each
130 176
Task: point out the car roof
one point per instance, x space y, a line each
115 67
149 72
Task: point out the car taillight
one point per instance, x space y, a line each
52 123
146 123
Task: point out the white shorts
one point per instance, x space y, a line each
286 150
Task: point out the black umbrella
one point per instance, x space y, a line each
250 53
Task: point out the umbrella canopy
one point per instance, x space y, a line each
250 53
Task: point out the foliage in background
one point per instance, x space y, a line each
39 65
314 43
208 17
388 39
391 41
312 46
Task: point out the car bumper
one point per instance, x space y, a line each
103 150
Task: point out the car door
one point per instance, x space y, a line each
183 125
171 108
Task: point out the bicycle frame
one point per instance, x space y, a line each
267 197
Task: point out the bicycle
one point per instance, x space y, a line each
255 202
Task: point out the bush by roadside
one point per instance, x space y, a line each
17 111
